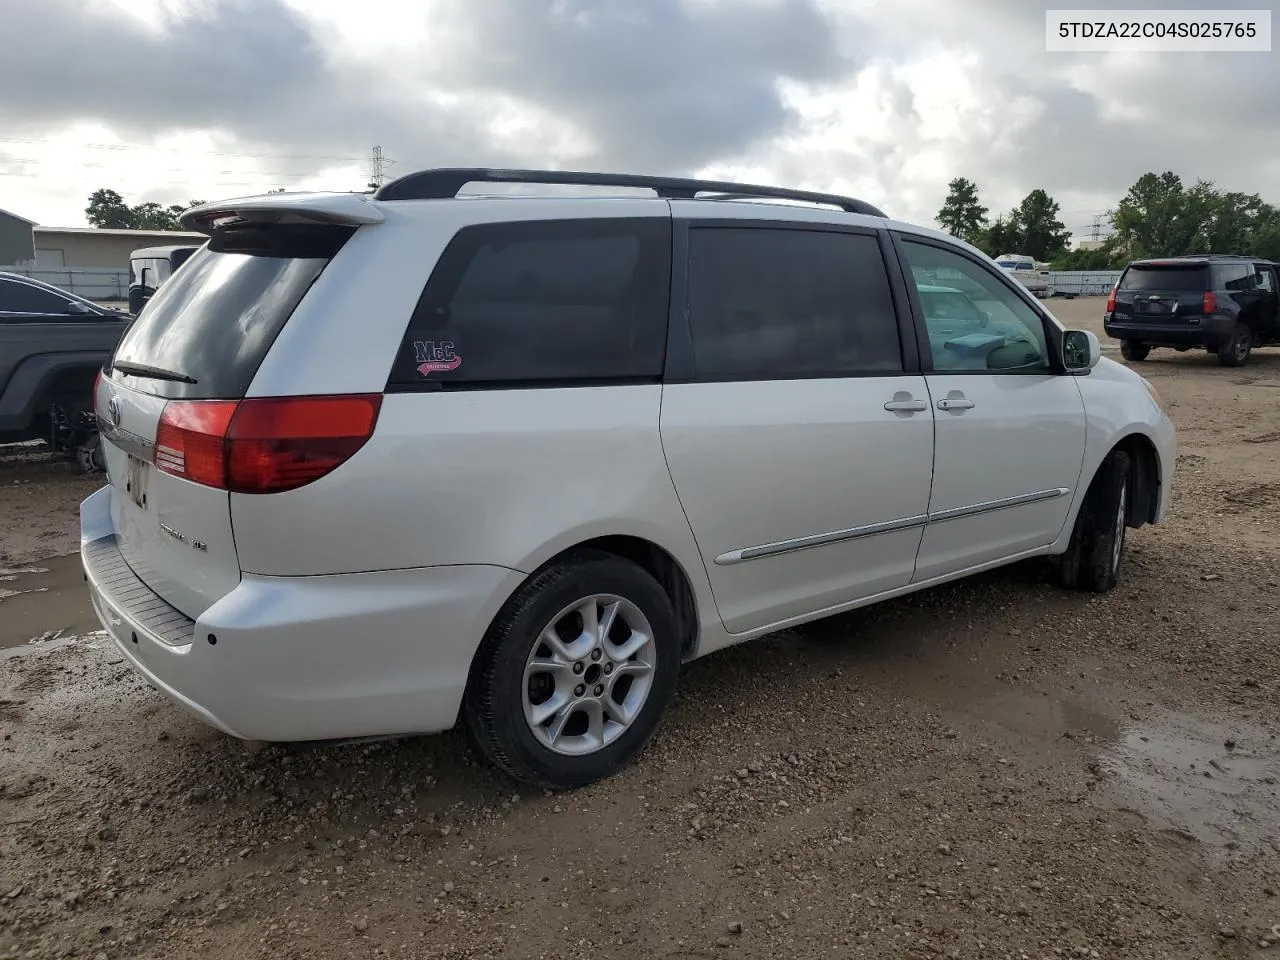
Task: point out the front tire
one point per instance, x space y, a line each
572 678
1235 352
1134 351
1094 553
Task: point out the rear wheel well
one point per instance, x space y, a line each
660 565
1144 479
72 386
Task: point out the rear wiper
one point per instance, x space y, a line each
154 373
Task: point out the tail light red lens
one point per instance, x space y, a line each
191 440
265 445
1111 301
1210 302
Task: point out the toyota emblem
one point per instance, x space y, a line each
114 411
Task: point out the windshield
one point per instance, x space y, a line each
214 320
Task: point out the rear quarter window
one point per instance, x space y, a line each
215 319
543 302
1235 277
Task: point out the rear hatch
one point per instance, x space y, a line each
167 398
1162 293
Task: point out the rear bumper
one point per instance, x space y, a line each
1209 333
303 658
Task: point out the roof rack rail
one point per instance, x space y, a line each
446 182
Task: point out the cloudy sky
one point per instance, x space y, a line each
171 100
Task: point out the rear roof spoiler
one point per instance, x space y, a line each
345 209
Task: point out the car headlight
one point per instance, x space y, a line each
1155 395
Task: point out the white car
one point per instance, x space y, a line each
382 464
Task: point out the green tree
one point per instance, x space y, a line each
1233 222
961 214
1003 235
1102 258
107 210
1159 217
1043 236
1266 236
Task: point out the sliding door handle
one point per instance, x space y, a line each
955 403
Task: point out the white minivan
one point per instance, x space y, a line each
380 464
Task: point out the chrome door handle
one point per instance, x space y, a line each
906 406
955 403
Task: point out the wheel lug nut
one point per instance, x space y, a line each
595 654
608 668
579 690
578 668
599 689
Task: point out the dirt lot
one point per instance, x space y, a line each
994 769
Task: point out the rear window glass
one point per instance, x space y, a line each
1164 279
214 320
542 302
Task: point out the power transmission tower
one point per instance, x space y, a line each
378 164
1097 227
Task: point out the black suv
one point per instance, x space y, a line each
1227 305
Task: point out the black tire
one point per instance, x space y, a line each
1096 550
1235 351
1134 351
494 704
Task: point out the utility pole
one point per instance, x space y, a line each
378 164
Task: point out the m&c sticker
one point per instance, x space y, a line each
435 357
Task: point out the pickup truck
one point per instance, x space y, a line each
52 345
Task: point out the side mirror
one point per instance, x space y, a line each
1080 350
78 309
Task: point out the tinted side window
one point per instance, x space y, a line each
1265 279
1235 277
543 301
24 298
768 303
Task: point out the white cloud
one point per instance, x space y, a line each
884 99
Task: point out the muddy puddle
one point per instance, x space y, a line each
1211 781
43 600
1217 784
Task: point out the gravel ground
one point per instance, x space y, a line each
993 769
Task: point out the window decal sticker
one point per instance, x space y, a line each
433 357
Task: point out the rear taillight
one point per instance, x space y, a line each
1111 301
191 440
1210 303
263 445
